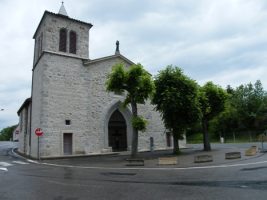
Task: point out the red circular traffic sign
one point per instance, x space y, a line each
39 132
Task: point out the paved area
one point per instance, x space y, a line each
76 179
185 159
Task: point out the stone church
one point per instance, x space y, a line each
69 101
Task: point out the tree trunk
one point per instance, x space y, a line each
135 132
250 136
176 148
234 136
206 141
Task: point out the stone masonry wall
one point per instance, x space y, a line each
50 29
37 103
72 91
66 89
100 98
65 97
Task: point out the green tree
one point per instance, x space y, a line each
250 102
138 85
6 133
226 122
212 100
176 99
245 110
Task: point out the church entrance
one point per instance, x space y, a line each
117 134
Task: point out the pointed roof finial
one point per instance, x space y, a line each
117 47
62 10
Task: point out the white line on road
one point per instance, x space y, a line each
20 162
32 161
5 164
4 169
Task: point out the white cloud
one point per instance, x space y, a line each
236 77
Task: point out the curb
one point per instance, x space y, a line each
143 168
22 157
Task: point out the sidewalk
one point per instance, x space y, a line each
185 159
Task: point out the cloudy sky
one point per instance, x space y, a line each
224 41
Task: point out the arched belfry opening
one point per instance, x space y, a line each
117 132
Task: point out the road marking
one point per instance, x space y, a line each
32 161
4 169
146 168
5 164
20 162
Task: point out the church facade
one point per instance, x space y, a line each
69 101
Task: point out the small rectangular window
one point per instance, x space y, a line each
67 122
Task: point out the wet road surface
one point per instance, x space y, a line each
35 181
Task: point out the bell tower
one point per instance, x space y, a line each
61 46
62 35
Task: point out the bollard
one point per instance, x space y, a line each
151 143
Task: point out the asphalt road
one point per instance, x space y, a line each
20 179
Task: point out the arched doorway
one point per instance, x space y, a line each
117 132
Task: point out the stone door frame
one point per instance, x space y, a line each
126 113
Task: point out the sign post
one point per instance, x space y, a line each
39 133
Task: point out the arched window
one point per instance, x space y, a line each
73 40
63 40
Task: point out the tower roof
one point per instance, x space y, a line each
46 13
62 10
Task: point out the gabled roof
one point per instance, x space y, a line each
88 62
59 16
25 103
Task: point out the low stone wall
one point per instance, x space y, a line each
232 155
252 151
167 161
203 158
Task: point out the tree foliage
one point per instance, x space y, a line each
244 116
139 123
136 83
250 101
185 105
246 110
226 122
212 100
176 99
7 133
